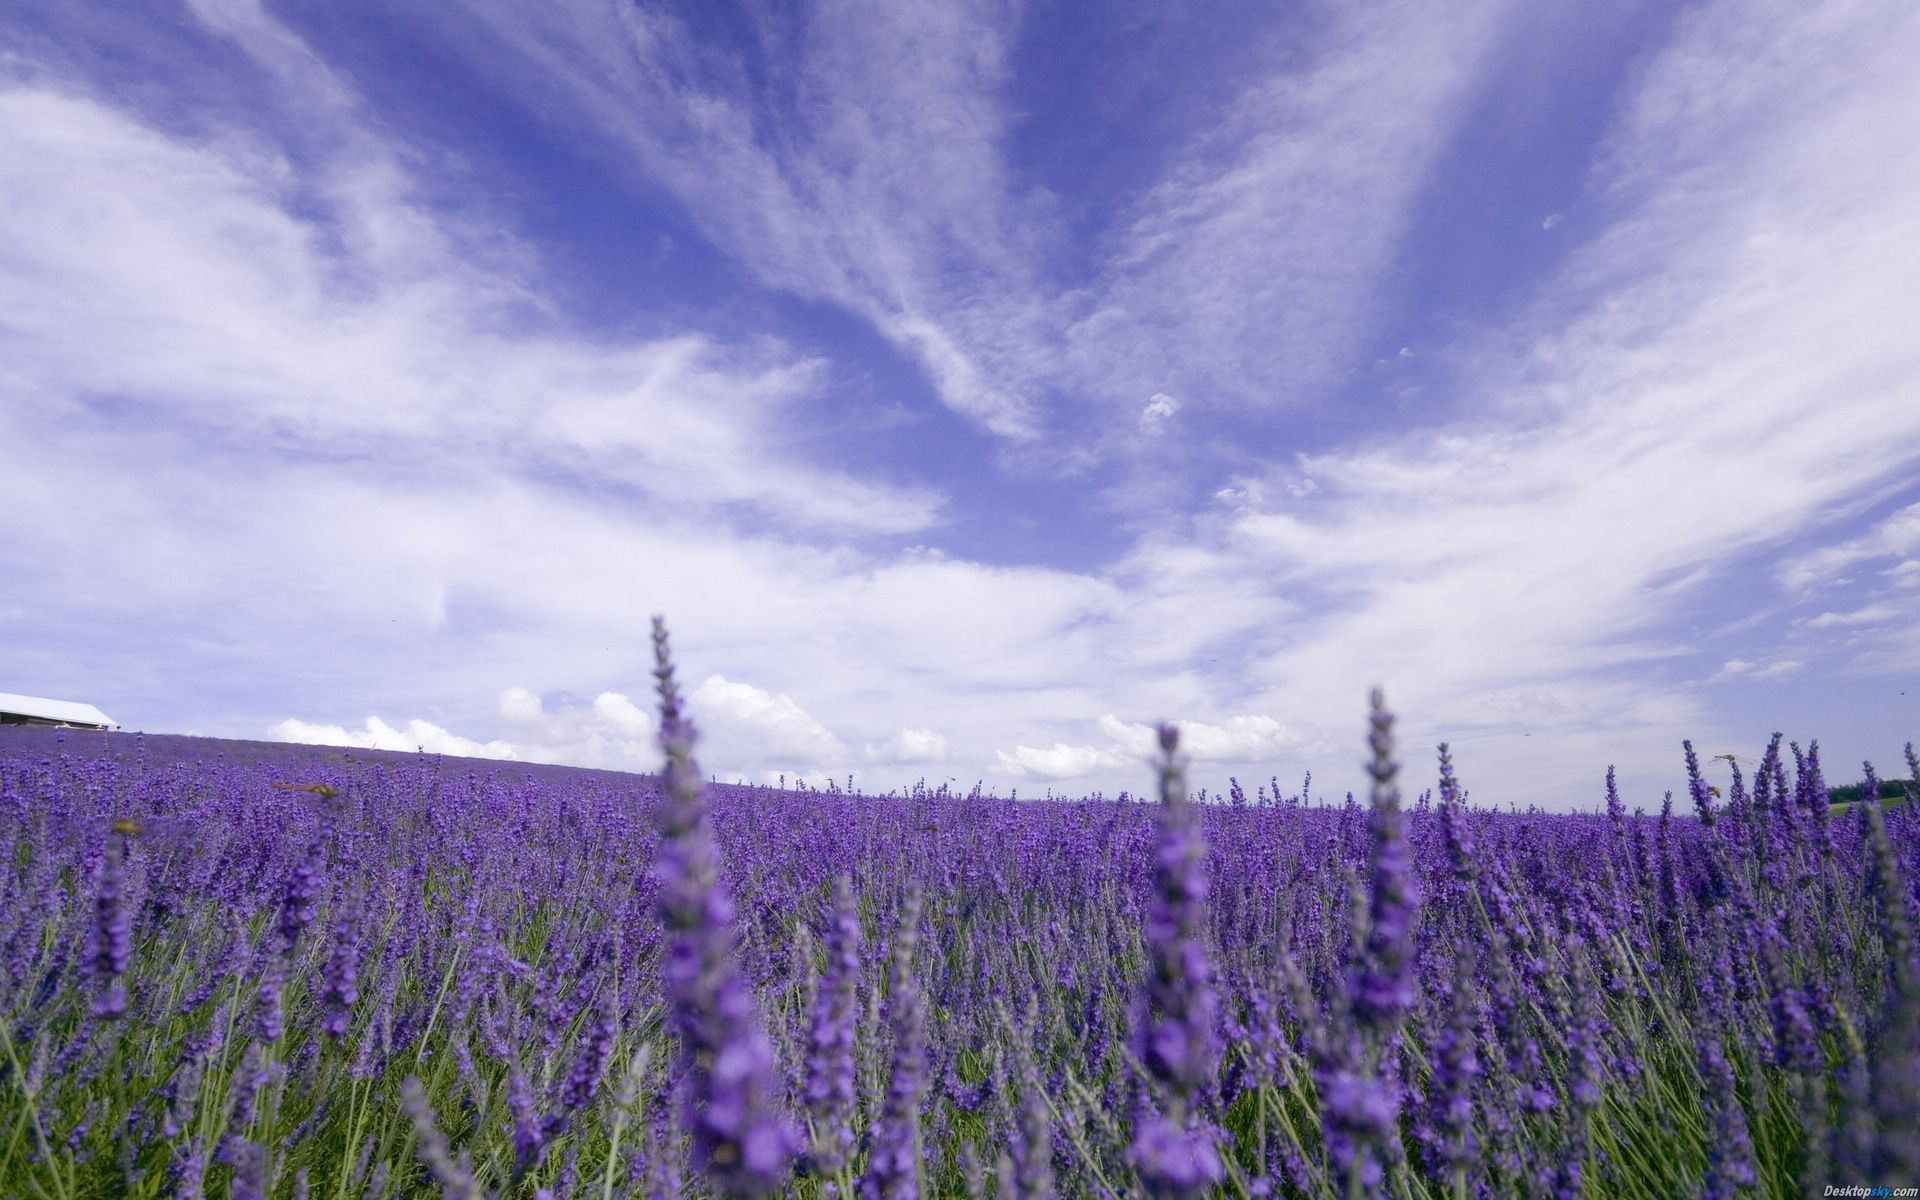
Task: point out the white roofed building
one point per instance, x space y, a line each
34 710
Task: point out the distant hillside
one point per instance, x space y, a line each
169 747
1892 792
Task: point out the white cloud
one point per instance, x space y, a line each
621 715
1894 535
1869 615
776 728
368 328
910 746
1299 185
378 735
520 706
1061 761
1131 747
1159 410
1740 668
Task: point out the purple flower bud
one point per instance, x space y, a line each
1175 1159
113 931
1697 786
830 1038
893 1160
1178 1040
529 1132
297 901
1454 831
341 987
1454 1064
1730 1162
590 1064
1381 988
741 1141
1029 1174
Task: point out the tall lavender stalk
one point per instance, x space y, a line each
452 1172
1896 1068
1381 989
341 987
1174 1151
1454 1066
741 1141
830 1062
893 1161
113 927
1359 1112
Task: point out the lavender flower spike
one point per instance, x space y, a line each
453 1174
113 927
342 987
741 1141
1381 989
893 1167
1178 1040
830 1064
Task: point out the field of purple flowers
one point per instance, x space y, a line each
301 973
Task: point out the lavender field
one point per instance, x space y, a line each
290 972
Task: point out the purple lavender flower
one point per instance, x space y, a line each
1730 1163
741 1142
529 1132
830 1038
1175 1158
1454 1066
453 1174
1381 989
1454 832
1697 785
1357 1115
341 987
1030 1157
590 1064
297 901
1896 1067
113 928
269 1019
1886 882
249 1162
1178 1041
893 1156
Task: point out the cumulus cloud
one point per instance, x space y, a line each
772 723
376 734
1247 738
520 706
1060 761
910 746
614 711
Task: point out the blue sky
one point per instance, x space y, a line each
972 385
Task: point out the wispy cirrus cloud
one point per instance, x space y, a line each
326 312
867 167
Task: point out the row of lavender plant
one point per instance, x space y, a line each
285 974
